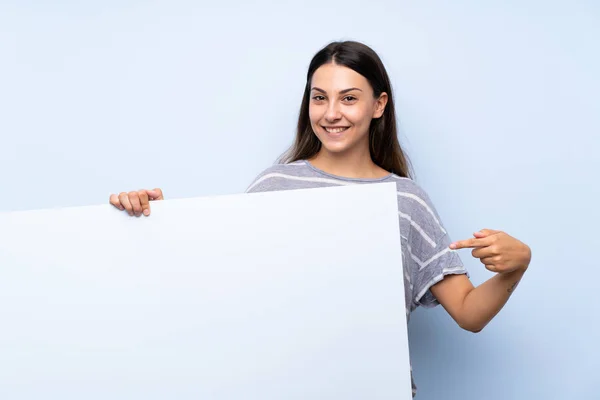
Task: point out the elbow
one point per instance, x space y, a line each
475 330
471 327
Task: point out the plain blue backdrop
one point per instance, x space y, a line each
499 110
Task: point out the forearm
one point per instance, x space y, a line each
482 303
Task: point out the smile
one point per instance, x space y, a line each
336 129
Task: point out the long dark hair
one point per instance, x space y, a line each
383 137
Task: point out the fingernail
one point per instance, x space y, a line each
146 212
453 246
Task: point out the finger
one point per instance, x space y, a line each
124 200
483 252
470 243
114 200
134 198
144 202
485 233
491 267
155 194
487 261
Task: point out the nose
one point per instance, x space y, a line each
333 112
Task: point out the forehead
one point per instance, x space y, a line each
334 78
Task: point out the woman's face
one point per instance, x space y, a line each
342 107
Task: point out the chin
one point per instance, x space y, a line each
335 147
337 143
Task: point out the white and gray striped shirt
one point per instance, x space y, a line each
426 256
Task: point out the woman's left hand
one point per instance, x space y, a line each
498 251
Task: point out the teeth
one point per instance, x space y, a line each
335 130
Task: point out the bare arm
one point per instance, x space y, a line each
474 307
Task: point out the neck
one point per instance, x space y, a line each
358 164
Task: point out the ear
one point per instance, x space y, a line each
380 104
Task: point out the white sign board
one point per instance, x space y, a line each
282 295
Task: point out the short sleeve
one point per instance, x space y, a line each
428 246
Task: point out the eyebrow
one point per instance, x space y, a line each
341 92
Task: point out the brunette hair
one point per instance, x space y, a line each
383 137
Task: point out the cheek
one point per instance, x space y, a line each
314 114
358 116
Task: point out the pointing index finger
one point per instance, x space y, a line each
468 244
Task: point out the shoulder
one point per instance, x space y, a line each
416 206
408 189
277 172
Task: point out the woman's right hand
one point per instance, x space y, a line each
136 203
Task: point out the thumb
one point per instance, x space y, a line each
155 194
485 233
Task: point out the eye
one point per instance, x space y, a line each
318 98
349 98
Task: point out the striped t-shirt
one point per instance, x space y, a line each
426 256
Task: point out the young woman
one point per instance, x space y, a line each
346 135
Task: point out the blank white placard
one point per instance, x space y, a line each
282 295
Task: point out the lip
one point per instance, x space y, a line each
335 135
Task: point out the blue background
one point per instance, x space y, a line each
499 110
